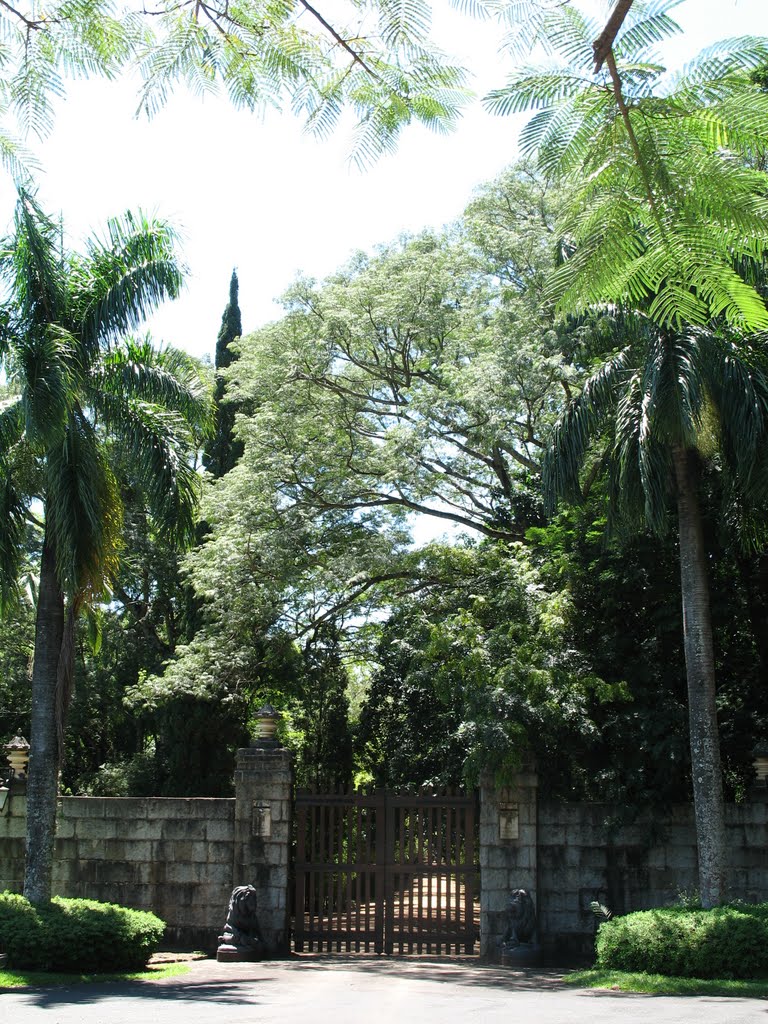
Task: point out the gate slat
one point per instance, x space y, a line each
469 903
379 874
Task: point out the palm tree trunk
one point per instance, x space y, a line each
700 670
43 780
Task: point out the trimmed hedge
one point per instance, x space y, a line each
76 935
725 942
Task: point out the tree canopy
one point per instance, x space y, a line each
374 59
666 209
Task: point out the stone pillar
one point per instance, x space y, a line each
263 809
507 853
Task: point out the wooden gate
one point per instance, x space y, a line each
383 872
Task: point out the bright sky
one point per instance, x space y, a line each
257 194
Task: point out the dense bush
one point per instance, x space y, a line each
725 942
77 935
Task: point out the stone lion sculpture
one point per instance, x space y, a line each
241 933
521 924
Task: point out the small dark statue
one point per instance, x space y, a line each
522 921
241 939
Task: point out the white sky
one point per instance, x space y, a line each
257 194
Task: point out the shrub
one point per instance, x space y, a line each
725 942
79 935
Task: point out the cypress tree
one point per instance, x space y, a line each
223 451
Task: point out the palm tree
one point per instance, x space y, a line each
667 217
657 409
79 394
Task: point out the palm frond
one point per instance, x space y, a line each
30 261
736 373
158 444
13 504
44 376
11 424
13 510
125 277
166 377
576 428
82 509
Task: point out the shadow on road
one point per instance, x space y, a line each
450 970
224 991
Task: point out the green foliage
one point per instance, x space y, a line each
625 616
418 380
196 742
131 776
725 942
16 641
223 451
321 721
262 53
66 372
665 203
476 674
76 935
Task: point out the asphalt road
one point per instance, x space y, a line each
337 990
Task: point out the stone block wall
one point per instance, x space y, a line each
567 855
182 857
172 856
508 837
583 855
179 857
263 835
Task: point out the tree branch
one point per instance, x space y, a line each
603 45
356 58
616 82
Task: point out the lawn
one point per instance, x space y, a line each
661 985
41 979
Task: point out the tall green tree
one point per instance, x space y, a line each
652 414
419 381
667 217
223 451
79 392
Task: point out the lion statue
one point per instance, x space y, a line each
241 930
522 920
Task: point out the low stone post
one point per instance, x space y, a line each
508 828
263 809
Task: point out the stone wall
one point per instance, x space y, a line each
263 835
508 837
568 855
182 857
169 855
583 856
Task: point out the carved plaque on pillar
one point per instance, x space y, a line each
261 823
509 821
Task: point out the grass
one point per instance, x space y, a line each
43 979
661 985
